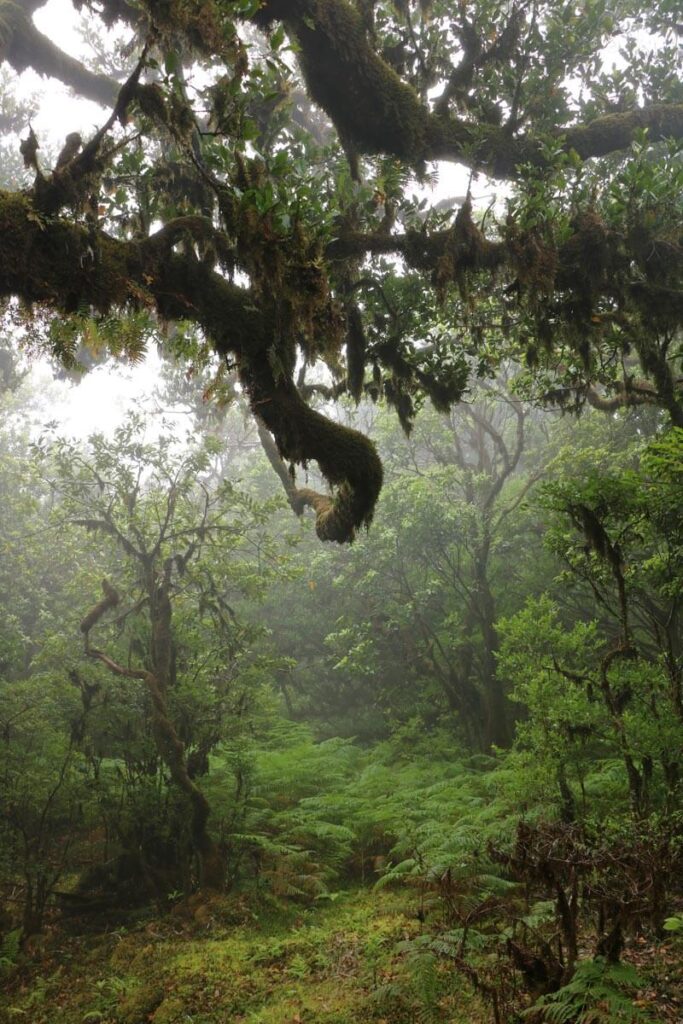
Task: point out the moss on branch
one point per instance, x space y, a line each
368 102
379 113
613 132
347 459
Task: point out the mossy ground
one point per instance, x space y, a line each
222 962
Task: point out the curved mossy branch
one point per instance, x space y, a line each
23 46
68 267
347 459
336 519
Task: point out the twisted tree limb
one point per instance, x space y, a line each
66 267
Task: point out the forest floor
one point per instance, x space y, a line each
340 962
346 960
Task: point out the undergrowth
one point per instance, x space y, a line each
598 993
398 885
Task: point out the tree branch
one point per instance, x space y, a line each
67 267
23 46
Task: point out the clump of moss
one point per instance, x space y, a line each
170 1011
535 261
137 1007
125 953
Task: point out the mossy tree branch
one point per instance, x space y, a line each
54 258
366 99
371 105
67 267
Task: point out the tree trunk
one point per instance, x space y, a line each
169 744
172 750
497 726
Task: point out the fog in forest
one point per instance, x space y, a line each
341 518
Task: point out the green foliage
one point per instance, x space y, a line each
599 993
9 950
320 728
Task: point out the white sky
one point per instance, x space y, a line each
102 399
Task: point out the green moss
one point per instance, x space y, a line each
125 952
170 1011
327 965
137 1007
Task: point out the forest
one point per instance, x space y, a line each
341 671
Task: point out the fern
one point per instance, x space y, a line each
426 981
598 993
9 950
398 873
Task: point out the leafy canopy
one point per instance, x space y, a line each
260 180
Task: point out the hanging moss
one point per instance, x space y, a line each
535 262
588 257
347 459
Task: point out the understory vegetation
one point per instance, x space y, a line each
434 777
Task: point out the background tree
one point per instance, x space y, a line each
181 562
